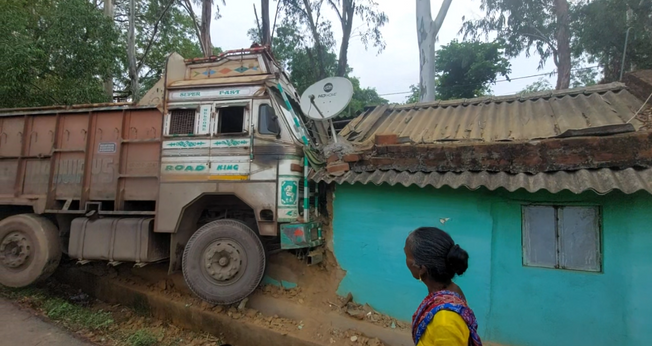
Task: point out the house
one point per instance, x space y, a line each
550 193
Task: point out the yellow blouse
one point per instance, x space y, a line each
447 328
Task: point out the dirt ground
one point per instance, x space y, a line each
316 288
99 323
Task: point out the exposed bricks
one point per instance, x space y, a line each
333 158
338 167
382 161
639 83
352 158
386 139
567 154
296 168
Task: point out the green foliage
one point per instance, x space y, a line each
540 85
60 310
600 28
468 69
361 98
524 25
583 77
163 27
415 95
54 52
373 19
292 50
142 337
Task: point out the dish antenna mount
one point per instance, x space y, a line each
324 100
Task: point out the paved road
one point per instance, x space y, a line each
22 328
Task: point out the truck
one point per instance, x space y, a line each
207 171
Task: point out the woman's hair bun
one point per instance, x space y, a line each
457 260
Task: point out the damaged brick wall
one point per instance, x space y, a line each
568 154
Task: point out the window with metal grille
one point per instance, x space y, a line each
182 122
562 237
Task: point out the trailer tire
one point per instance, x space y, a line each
224 262
29 250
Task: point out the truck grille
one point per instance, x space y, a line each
182 122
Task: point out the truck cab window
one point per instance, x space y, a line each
268 121
231 120
182 122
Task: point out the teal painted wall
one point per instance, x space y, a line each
515 305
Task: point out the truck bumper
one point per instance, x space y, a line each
301 235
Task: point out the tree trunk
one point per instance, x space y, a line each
348 11
131 52
427 31
206 6
316 38
563 45
108 82
266 32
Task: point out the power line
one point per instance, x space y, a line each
505 80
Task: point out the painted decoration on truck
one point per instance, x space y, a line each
230 143
205 168
227 68
204 120
185 168
186 144
289 189
288 214
216 93
207 143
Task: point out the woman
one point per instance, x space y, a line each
443 318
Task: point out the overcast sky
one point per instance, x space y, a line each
397 67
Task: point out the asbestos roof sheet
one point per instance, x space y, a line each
601 181
505 118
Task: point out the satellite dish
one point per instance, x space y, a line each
324 100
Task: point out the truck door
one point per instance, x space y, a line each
231 145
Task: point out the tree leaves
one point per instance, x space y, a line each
600 28
54 52
293 47
466 70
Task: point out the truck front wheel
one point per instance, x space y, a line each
224 262
29 250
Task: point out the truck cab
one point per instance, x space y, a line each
232 170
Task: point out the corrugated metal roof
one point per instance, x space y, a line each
506 118
601 181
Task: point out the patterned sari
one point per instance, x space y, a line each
444 300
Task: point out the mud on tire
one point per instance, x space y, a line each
224 262
29 250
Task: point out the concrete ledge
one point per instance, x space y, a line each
237 332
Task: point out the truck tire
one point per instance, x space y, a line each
29 250
224 262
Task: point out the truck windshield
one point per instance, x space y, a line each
286 113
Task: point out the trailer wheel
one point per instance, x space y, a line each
29 250
224 262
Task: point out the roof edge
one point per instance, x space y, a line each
600 88
602 181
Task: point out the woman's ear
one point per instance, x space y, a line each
423 272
